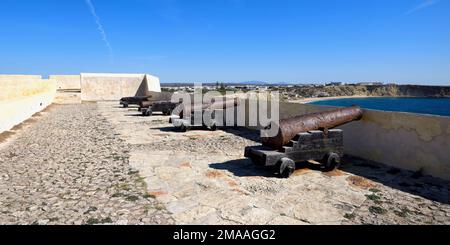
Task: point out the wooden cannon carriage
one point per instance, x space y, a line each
147 108
305 138
325 147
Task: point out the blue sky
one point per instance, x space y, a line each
405 41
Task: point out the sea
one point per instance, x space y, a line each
432 106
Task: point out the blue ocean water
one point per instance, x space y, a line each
434 106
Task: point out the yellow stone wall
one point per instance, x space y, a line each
21 96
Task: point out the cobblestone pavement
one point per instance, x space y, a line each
99 163
202 177
69 167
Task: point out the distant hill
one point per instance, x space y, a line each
252 83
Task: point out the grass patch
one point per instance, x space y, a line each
374 190
118 194
374 198
117 158
377 210
141 181
133 172
91 209
124 187
349 216
94 221
402 213
132 198
159 207
148 196
147 208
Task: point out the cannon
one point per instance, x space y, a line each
289 128
147 108
145 104
149 97
217 105
186 119
135 100
304 138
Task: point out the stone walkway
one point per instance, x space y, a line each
99 163
69 167
202 177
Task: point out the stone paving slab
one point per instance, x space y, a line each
102 164
202 177
69 167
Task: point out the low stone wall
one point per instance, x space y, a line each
409 141
23 96
67 82
112 87
15 86
403 140
19 77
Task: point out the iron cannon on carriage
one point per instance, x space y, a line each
303 138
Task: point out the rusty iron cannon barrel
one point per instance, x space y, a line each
189 109
146 104
218 105
226 104
289 128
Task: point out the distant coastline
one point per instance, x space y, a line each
316 99
311 100
307 93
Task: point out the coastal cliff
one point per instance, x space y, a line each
373 90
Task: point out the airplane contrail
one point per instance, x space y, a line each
425 4
101 29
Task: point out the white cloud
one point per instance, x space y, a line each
101 29
425 4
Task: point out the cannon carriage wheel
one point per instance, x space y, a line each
330 162
213 127
184 128
147 112
167 112
286 167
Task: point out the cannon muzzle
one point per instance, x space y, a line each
146 104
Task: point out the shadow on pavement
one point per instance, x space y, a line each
415 183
